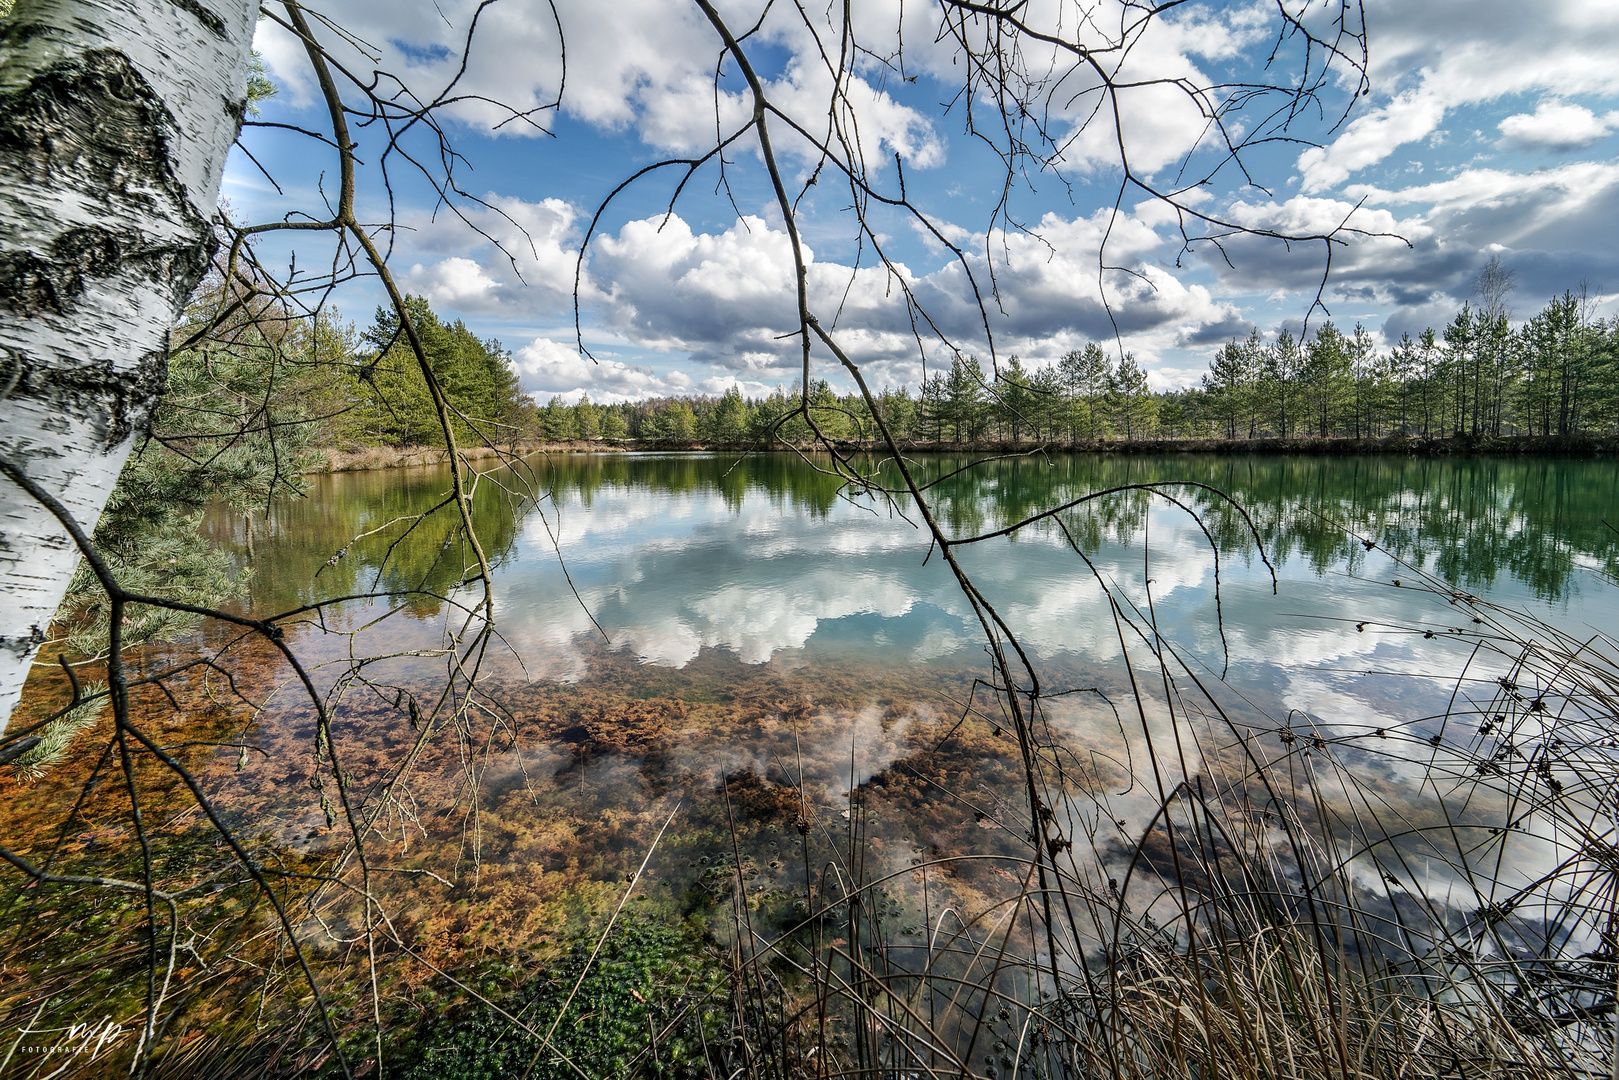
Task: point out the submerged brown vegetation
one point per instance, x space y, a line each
824 867
856 873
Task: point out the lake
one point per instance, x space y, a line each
734 694
764 558
668 619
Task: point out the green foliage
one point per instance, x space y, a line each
674 421
56 736
614 426
1013 406
586 418
394 405
728 420
1326 379
1134 412
236 426
766 415
259 86
557 421
1086 374
964 404
651 997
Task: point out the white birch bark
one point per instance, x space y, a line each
115 120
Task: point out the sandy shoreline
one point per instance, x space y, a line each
391 457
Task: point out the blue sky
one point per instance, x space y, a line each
1488 128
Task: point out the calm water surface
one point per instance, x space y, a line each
774 668
757 585
764 558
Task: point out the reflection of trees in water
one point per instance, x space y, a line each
1468 519
312 547
566 780
785 477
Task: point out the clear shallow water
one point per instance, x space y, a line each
786 680
721 615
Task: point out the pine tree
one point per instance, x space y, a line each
1013 401
395 404
935 405
964 397
1327 378
1133 406
1282 362
727 421
1086 374
1226 384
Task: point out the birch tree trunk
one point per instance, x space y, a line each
115 120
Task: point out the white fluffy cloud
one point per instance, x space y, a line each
1556 126
1157 122
642 65
548 367
456 282
721 293
1546 224
729 299
725 300
1371 137
1432 58
510 257
650 66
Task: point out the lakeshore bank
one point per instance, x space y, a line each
392 457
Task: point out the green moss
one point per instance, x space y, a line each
652 997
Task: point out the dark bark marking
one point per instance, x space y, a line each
17 34
30 284
121 401
92 124
213 22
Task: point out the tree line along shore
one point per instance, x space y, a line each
1479 383
369 458
1549 385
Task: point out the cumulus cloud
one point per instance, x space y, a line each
725 299
1556 126
455 282
1553 226
1557 191
508 257
1376 244
728 298
1371 137
722 293
650 67
1434 58
1547 225
647 66
549 368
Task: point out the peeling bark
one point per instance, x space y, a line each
115 120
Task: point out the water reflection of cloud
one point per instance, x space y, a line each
757 620
669 573
751 578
